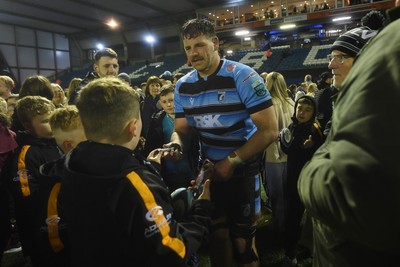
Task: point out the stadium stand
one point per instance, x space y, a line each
282 59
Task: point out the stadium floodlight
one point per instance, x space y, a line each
150 39
287 26
240 33
112 24
341 18
100 46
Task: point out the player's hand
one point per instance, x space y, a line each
223 170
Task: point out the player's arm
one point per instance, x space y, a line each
267 132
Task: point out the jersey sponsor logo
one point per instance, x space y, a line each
156 228
221 96
231 67
251 75
259 87
207 121
154 213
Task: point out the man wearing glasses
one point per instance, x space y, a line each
341 58
344 50
351 185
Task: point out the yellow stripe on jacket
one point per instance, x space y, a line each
23 173
154 210
53 219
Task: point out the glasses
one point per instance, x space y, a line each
338 58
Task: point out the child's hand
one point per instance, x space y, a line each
155 156
309 142
175 153
206 191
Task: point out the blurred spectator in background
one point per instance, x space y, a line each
166 77
6 85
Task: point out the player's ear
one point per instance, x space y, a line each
215 41
96 67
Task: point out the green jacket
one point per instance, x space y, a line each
351 187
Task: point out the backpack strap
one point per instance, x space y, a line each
23 172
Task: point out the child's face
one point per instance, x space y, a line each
5 91
154 89
41 126
304 112
167 103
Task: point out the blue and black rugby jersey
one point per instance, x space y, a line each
219 106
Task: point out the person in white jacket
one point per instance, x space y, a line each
275 159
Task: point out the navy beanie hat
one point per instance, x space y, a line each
352 41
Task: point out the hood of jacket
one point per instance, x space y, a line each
93 163
312 100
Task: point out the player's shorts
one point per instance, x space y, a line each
238 200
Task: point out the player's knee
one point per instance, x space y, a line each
243 250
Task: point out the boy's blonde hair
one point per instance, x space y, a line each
106 105
8 81
29 107
65 119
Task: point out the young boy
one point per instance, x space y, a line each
53 237
6 85
176 174
305 139
67 128
118 211
35 197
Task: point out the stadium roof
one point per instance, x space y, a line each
75 17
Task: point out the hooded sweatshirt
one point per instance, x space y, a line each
119 213
31 192
298 155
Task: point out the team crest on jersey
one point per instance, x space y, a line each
221 96
259 87
231 67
